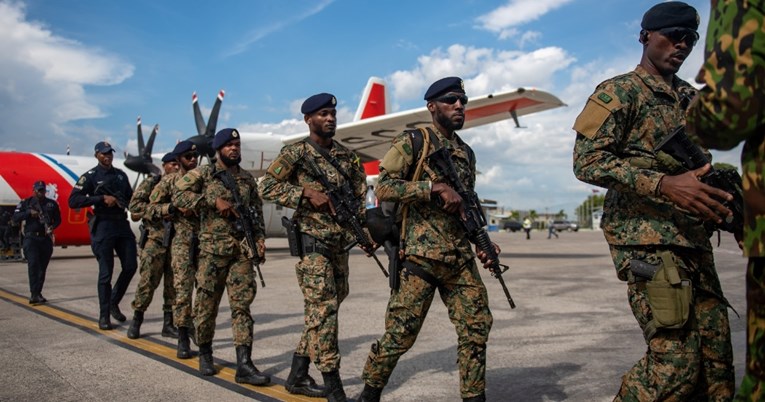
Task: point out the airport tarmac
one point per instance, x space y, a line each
571 337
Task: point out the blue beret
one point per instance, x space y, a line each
183 147
670 14
318 101
169 157
224 136
444 85
39 185
104 147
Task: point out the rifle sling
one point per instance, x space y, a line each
331 159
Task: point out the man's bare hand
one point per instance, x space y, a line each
225 208
687 192
33 213
452 200
484 258
261 250
319 200
110 200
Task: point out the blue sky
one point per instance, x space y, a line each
76 72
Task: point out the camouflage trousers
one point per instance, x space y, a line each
464 295
324 283
155 264
184 271
753 385
695 362
235 274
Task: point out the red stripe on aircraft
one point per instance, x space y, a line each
375 103
372 168
498 108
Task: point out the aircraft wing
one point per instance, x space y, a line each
370 138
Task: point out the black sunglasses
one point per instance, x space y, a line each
677 35
190 155
452 99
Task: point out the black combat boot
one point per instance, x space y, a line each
299 382
206 366
134 331
369 394
477 398
104 323
334 386
117 314
246 372
184 348
168 329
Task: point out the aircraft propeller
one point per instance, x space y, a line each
142 163
206 132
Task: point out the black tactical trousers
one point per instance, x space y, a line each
113 236
38 250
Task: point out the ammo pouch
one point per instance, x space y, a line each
670 294
311 245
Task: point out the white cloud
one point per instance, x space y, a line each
42 84
514 13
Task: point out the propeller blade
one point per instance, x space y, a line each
150 144
140 136
213 121
200 121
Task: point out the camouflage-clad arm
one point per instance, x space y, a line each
275 186
140 199
729 107
187 193
257 203
600 128
359 185
160 199
391 184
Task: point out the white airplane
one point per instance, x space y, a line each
368 135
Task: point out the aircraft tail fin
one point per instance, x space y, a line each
374 100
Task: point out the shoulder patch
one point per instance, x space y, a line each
280 168
596 111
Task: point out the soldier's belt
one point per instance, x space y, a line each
38 234
311 245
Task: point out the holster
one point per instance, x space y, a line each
167 236
293 238
144 236
311 245
394 265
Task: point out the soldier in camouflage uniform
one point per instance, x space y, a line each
183 246
322 271
437 251
728 110
655 214
155 256
223 262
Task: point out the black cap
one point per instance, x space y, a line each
169 157
39 185
670 14
317 102
183 147
224 136
104 147
444 85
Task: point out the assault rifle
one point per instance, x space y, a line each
680 147
473 220
346 208
245 220
44 218
107 188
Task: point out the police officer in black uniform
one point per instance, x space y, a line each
108 190
41 216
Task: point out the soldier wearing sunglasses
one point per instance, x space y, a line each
654 218
437 253
182 249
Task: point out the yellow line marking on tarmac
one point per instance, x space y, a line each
225 373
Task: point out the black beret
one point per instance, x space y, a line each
104 147
444 85
318 101
39 185
670 14
224 136
183 147
169 157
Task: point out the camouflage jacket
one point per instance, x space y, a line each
184 225
287 176
729 109
199 188
617 131
430 231
138 207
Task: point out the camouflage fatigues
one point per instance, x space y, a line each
182 246
727 112
617 131
323 279
155 258
436 243
222 262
